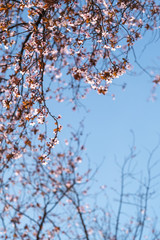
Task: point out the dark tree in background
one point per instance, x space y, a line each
59 50
55 201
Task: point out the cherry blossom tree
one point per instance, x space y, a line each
59 50
51 49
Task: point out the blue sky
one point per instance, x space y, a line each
109 122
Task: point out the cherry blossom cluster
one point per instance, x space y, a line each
50 49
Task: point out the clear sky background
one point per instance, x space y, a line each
109 122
